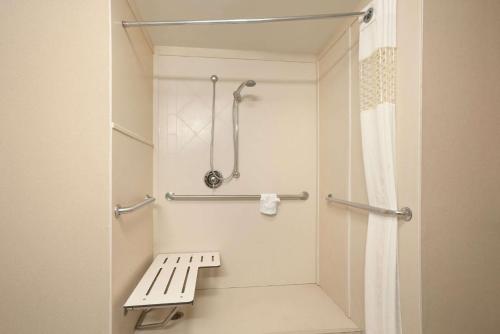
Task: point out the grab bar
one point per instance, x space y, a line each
173 197
404 213
119 210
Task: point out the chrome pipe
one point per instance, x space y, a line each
366 17
120 211
403 213
174 197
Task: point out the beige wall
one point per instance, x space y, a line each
277 154
461 163
54 171
341 172
408 140
343 232
132 161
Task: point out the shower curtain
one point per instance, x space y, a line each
377 56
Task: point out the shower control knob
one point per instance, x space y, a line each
213 179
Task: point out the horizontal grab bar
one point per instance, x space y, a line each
404 213
173 197
119 210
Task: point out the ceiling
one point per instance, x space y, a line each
308 37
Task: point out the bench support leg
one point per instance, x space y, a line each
140 325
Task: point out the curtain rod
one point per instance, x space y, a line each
367 15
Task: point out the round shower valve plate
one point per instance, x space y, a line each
213 179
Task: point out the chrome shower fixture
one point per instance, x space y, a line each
214 178
237 92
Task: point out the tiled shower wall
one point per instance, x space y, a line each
277 154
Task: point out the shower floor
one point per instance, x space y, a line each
282 309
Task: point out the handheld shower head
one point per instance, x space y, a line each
237 92
250 83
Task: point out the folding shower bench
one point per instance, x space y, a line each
169 282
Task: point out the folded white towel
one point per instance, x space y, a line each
269 204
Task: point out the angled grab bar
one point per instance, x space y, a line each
120 211
403 213
173 197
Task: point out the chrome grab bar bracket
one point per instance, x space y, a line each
118 210
403 213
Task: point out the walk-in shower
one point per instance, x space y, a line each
214 178
297 139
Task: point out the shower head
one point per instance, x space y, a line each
237 92
250 83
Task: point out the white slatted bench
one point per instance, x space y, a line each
170 281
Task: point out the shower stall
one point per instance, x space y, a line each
235 121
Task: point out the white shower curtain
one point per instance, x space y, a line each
377 56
